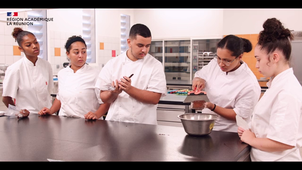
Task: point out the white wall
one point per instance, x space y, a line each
163 23
6 39
181 23
66 22
203 23
108 30
250 21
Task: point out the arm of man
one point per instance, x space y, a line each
144 96
110 95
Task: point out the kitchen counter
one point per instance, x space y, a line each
169 107
174 99
38 138
179 82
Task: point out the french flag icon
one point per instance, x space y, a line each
9 14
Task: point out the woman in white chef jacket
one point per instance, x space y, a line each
231 86
77 96
28 82
275 132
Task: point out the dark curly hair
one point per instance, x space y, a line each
275 36
73 39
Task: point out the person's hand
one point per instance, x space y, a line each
247 136
117 90
209 105
24 112
44 111
198 84
125 83
240 131
90 116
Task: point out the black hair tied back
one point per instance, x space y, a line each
73 39
235 44
18 34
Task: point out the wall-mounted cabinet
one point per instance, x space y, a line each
180 61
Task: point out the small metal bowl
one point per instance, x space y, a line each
198 124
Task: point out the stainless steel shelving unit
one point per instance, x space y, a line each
204 58
204 50
182 58
156 50
177 59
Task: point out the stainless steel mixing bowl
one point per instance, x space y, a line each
198 124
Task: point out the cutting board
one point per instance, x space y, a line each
196 97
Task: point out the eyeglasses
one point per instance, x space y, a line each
224 61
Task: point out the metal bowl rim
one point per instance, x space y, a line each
214 117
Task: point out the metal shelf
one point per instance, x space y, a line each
182 58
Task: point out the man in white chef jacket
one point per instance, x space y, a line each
133 99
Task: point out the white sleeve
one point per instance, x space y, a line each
97 91
11 82
246 100
104 80
284 121
59 83
50 84
205 71
98 95
157 81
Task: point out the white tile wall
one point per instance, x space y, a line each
110 43
6 44
57 39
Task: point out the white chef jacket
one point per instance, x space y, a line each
238 90
76 91
30 85
277 116
148 75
